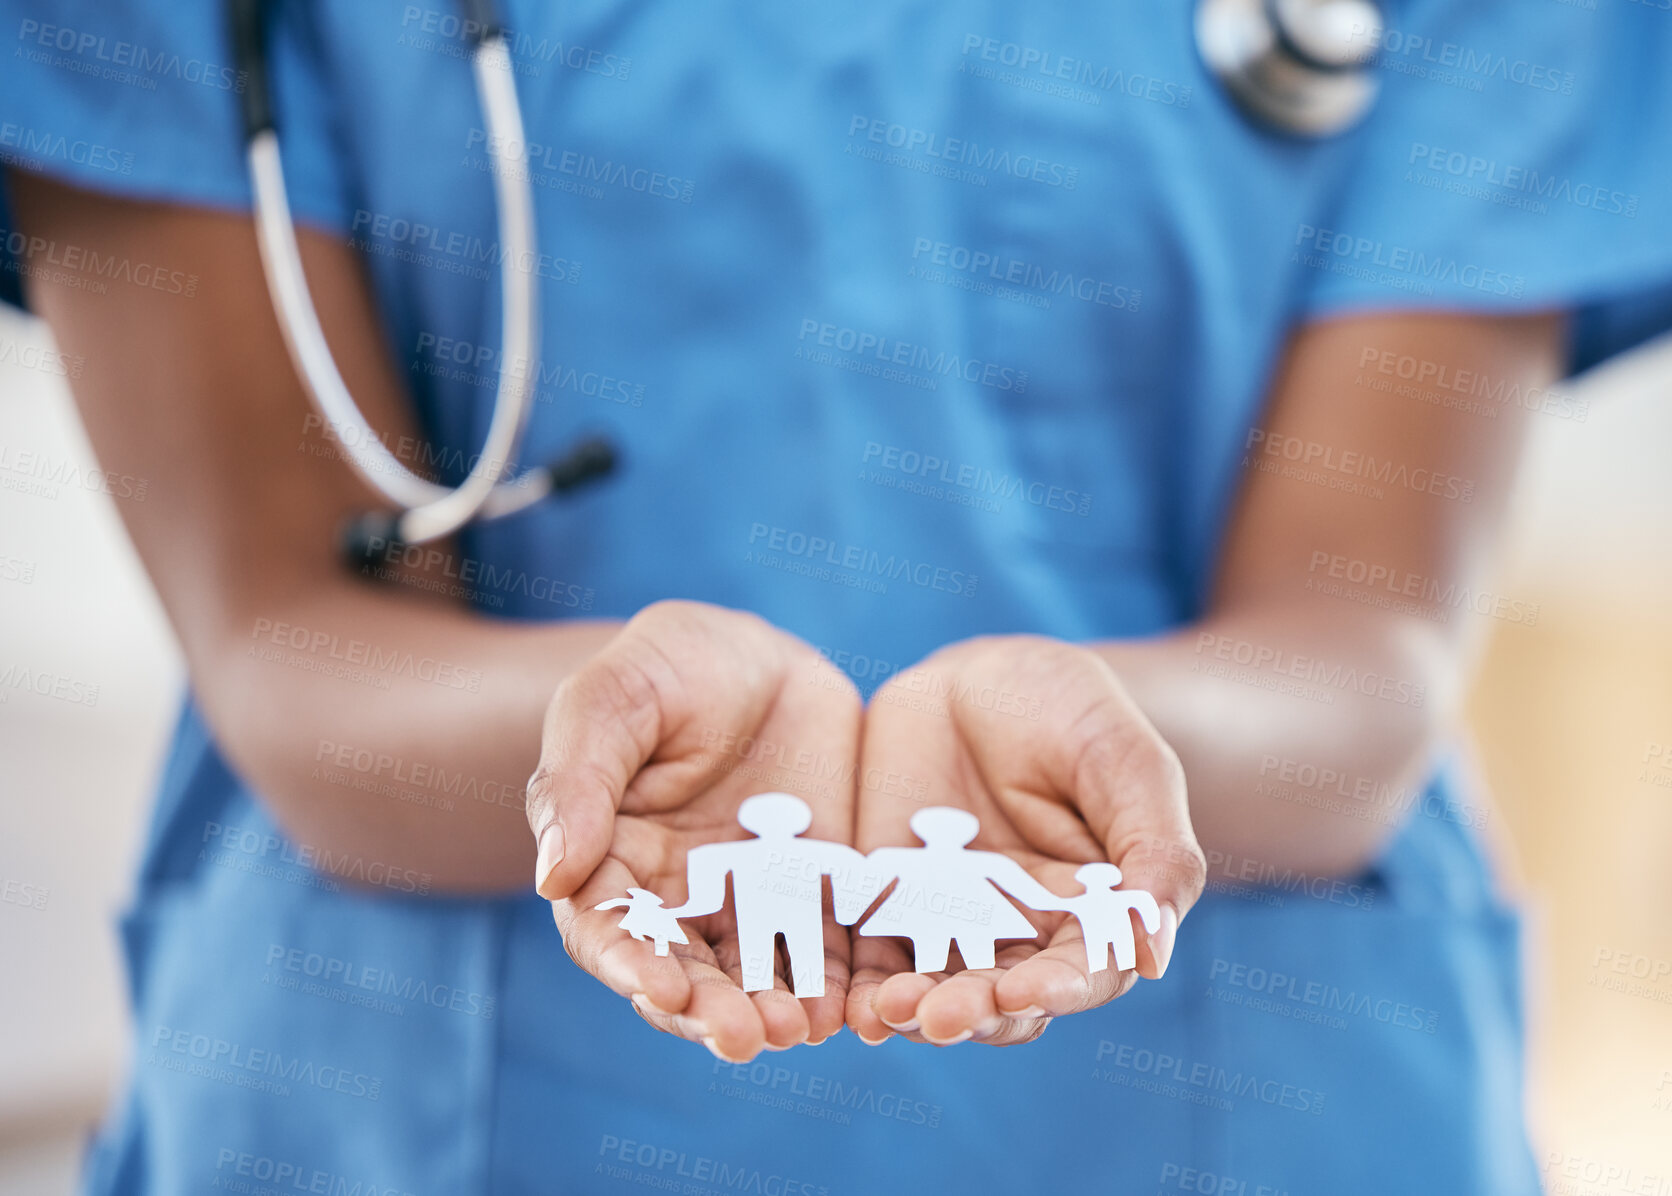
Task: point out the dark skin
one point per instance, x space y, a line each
619 723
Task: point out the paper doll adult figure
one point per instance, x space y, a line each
1103 916
946 893
777 888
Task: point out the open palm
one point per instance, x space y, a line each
648 752
1038 740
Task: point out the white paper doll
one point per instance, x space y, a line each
777 888
946 893
1102 911
646 919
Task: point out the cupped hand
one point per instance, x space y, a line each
1040 741
648 750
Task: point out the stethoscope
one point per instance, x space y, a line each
1300 67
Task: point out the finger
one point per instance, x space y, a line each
953 1010
784 1022
964 1008
1054 982
685 993
826 1013
1130 787
720 1016
874 961
595 941
897 997
783 1019
603 723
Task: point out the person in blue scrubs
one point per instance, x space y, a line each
985 363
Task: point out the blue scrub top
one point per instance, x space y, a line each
914 321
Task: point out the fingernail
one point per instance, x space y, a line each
646 1005
1161 942
963 1037
902 1027
713 1045
815 1041
870 1041
1031 1012
551 855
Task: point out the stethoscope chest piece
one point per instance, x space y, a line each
1298 66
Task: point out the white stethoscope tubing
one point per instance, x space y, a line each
429 511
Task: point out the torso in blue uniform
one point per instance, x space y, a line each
914 321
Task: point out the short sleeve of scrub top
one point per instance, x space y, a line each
915 321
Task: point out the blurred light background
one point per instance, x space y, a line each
1573 718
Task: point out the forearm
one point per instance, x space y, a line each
397 731
1298 733
1306 714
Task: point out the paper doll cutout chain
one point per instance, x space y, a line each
945 893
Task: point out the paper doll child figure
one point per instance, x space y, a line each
777 888
1104 919
646 919
946 893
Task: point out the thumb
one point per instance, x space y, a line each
1134 796
602 725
